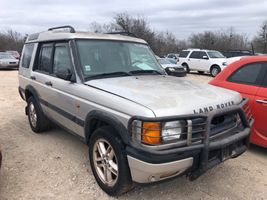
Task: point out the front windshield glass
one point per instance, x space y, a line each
103 57
6 56
215 54
163 61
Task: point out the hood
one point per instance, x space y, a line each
168 95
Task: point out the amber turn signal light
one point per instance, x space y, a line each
151 133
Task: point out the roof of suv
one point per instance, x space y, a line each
52 35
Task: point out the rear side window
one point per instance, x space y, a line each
184 54
194 54
45 56
248 74
27 55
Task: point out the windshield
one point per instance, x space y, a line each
215 54
6 56
110 57
163 61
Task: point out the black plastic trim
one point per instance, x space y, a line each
63 112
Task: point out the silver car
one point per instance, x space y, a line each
140 124
7 61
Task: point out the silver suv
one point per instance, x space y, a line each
140 124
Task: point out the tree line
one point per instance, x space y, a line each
161 42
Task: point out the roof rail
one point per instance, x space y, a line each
72 30
123 33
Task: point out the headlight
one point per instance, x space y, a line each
173 130
224 63
156 133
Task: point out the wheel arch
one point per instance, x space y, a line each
215 65
96 119
31 91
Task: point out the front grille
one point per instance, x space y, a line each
222 123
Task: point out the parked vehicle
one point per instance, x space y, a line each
172 69
7 61
249 77
237 53
172 57
140 125
15 54
202 60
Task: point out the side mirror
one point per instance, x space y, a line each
64 74
205 57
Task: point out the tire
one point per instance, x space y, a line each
37 120
105 139
187 67
200 72
215 70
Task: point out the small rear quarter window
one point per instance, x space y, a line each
27 55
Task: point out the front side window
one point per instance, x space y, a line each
103 57
202 53
45 56
215 54
247 74
62 61
27 55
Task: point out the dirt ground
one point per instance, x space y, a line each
54 165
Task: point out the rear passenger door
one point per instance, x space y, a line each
41 74
193 60
56 94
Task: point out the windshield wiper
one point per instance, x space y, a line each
150 71
105 75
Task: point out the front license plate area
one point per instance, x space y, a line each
228 151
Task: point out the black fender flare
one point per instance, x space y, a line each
119 128
35 94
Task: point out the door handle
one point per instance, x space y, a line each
188 59
33 77
261 101
48 83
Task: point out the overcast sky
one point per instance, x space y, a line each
180 17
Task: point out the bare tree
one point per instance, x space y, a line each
219 40
260 40
11 40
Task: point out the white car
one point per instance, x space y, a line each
7 61
202 60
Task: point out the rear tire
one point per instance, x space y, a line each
109 162
187 67
215 70
36 117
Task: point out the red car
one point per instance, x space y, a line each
248 76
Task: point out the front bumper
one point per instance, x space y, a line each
149 164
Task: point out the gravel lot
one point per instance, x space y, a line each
54 165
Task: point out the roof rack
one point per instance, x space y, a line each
72 30
123 33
